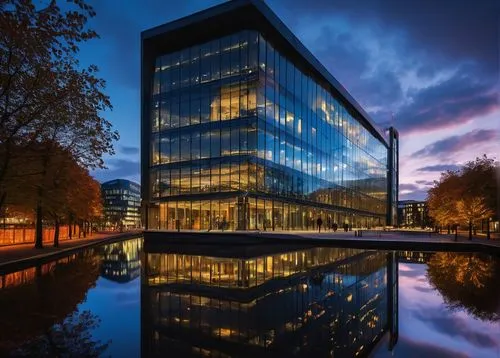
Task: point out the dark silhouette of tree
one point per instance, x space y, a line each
71 338
45 94
467 281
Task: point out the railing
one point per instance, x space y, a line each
15 236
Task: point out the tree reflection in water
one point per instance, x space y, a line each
71 338
32 308
467 281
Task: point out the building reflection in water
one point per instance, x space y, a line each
310 302
121 261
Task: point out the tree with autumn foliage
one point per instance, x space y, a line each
441 199
467 280
57 186
466 196
45 95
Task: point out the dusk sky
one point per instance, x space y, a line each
430 68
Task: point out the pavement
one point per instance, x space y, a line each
18 256
381 240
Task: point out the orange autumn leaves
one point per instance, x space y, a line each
467 195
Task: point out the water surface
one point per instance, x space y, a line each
122 300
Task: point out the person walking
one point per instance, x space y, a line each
319 222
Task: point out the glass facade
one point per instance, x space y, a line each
122 204
242 137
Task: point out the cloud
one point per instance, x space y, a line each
348 58
439 168
411 187
420 194
411 348
449 103
457 328
119 169
434 25
425 182
411 274
453 144
413 59
409 191
129 150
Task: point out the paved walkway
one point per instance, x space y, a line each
423 236
26 252
381 240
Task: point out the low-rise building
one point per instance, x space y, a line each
413 213
122 204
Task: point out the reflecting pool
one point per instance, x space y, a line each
126 300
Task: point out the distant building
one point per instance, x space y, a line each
122 203
413 213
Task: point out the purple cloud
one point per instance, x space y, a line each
425 182
457 327
411 187
447 104
453 144
439 168
420 194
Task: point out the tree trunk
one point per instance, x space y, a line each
3 196
38 227
470 230
84 229
56 233
70 229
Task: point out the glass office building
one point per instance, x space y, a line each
243 129
122 204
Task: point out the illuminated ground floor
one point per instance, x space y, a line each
252 213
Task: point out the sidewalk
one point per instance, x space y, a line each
380 240
25 254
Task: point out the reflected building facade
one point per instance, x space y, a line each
312 302
242 128
121 260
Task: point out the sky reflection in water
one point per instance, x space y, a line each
428 327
